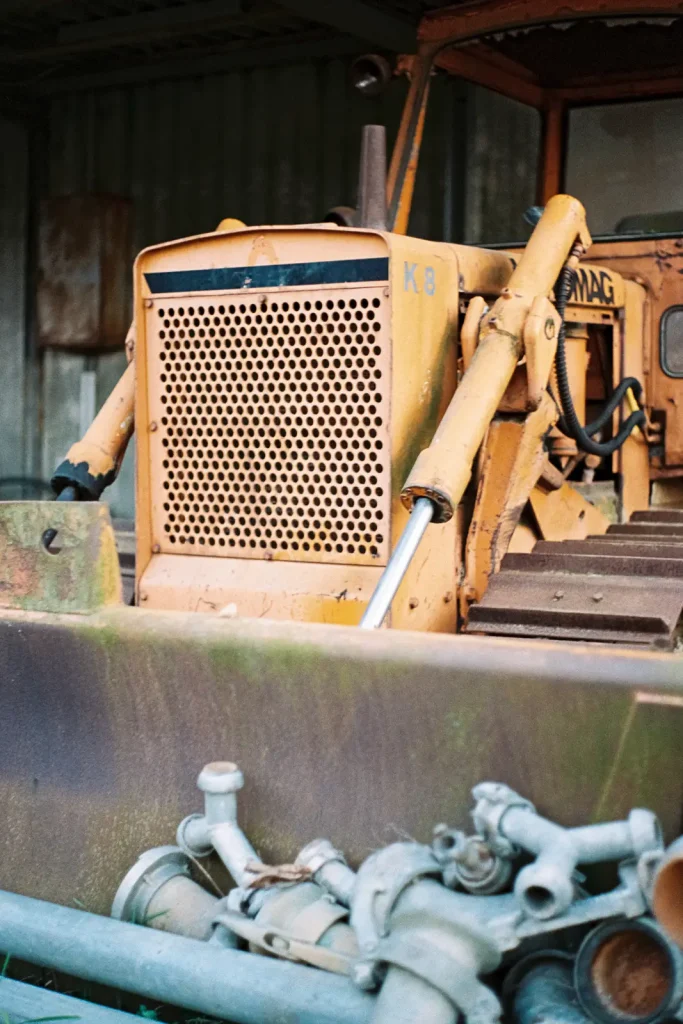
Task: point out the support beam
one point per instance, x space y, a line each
161 22
380 28
310 47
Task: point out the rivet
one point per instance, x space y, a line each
413 603
143 597
559 594
448 597
597 597
386 293
156 548
153 426
148 303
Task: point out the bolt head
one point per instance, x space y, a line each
220 777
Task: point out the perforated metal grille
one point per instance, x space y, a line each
272 418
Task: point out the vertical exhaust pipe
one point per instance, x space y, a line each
372 179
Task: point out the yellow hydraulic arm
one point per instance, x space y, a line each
441 472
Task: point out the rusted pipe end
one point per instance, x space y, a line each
667 893
220 777
627 971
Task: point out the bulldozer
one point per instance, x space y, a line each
394 530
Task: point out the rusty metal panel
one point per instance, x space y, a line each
84 261
13 230
107 720
57 556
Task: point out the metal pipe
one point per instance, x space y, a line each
546 995
545 888
629 971
329 869
404 999
159 892
217 828
372 179
198 976
667 892
19 1001
390 580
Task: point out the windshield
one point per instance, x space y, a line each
625 164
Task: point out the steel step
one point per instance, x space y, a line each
624 587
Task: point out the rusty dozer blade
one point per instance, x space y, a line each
624 587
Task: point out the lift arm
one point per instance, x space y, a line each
442 471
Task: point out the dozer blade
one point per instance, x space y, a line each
625 587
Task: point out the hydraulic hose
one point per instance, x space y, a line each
569 422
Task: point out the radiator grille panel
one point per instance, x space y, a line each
272 416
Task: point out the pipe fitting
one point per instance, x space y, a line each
667 892
544 993
629 971
158 891
297 922
329 869
545 888
443 950
217 828
406 920
469 862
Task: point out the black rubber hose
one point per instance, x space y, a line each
608 410
569 422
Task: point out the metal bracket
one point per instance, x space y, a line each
75 569
280 943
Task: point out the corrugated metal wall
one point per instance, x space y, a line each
13 236
275 145
503 139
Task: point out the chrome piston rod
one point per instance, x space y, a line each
390 580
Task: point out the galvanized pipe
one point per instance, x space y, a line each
218 828
545 888
546 995
19 1002
390 580
406 999
223 983
629 971
329 870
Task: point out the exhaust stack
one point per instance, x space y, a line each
372 179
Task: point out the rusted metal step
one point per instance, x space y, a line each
657 547
652 529
659 515
624 587
611 564
610 609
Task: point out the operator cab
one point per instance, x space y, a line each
594 104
